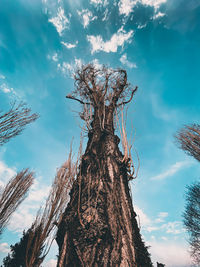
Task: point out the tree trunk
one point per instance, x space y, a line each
99 227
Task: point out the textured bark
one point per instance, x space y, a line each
99 227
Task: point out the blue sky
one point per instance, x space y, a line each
157 42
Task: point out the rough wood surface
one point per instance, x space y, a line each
99 226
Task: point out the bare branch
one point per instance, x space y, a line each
128 101
13 194
188 139
103 88
74 98
13 122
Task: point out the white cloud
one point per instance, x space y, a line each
141 26
118 39
38 193
6 89
65 67
126 62
4 248
169 253
172 170
173 228
51 263
158 15
2 77
86 16
55 57
126 6
161 217
151 228
155 3
96 63
60 21
99 2
105 17
6 173
142 218
149 225
25 214
21 219
69 68
69 45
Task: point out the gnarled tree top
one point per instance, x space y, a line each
101 90
101 85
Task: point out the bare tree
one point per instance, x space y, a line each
13 194
99 226
48 220
13 122
188 139
192 220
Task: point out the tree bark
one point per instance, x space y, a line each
99 226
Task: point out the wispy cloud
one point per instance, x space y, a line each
2 77
126 6
86 16
51 263
170 253
6 173
4 248
99 2
159 15
160 110
6 89
54 57
60 21
143 219
174 228
69 45
161 217
174 168
155 3
118 39
158 224
25 214
68 68
126 62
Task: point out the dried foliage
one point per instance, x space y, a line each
192 220
13 194
100 88
13 122
127 145
49 219
188 139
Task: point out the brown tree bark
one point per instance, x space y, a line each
99 227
